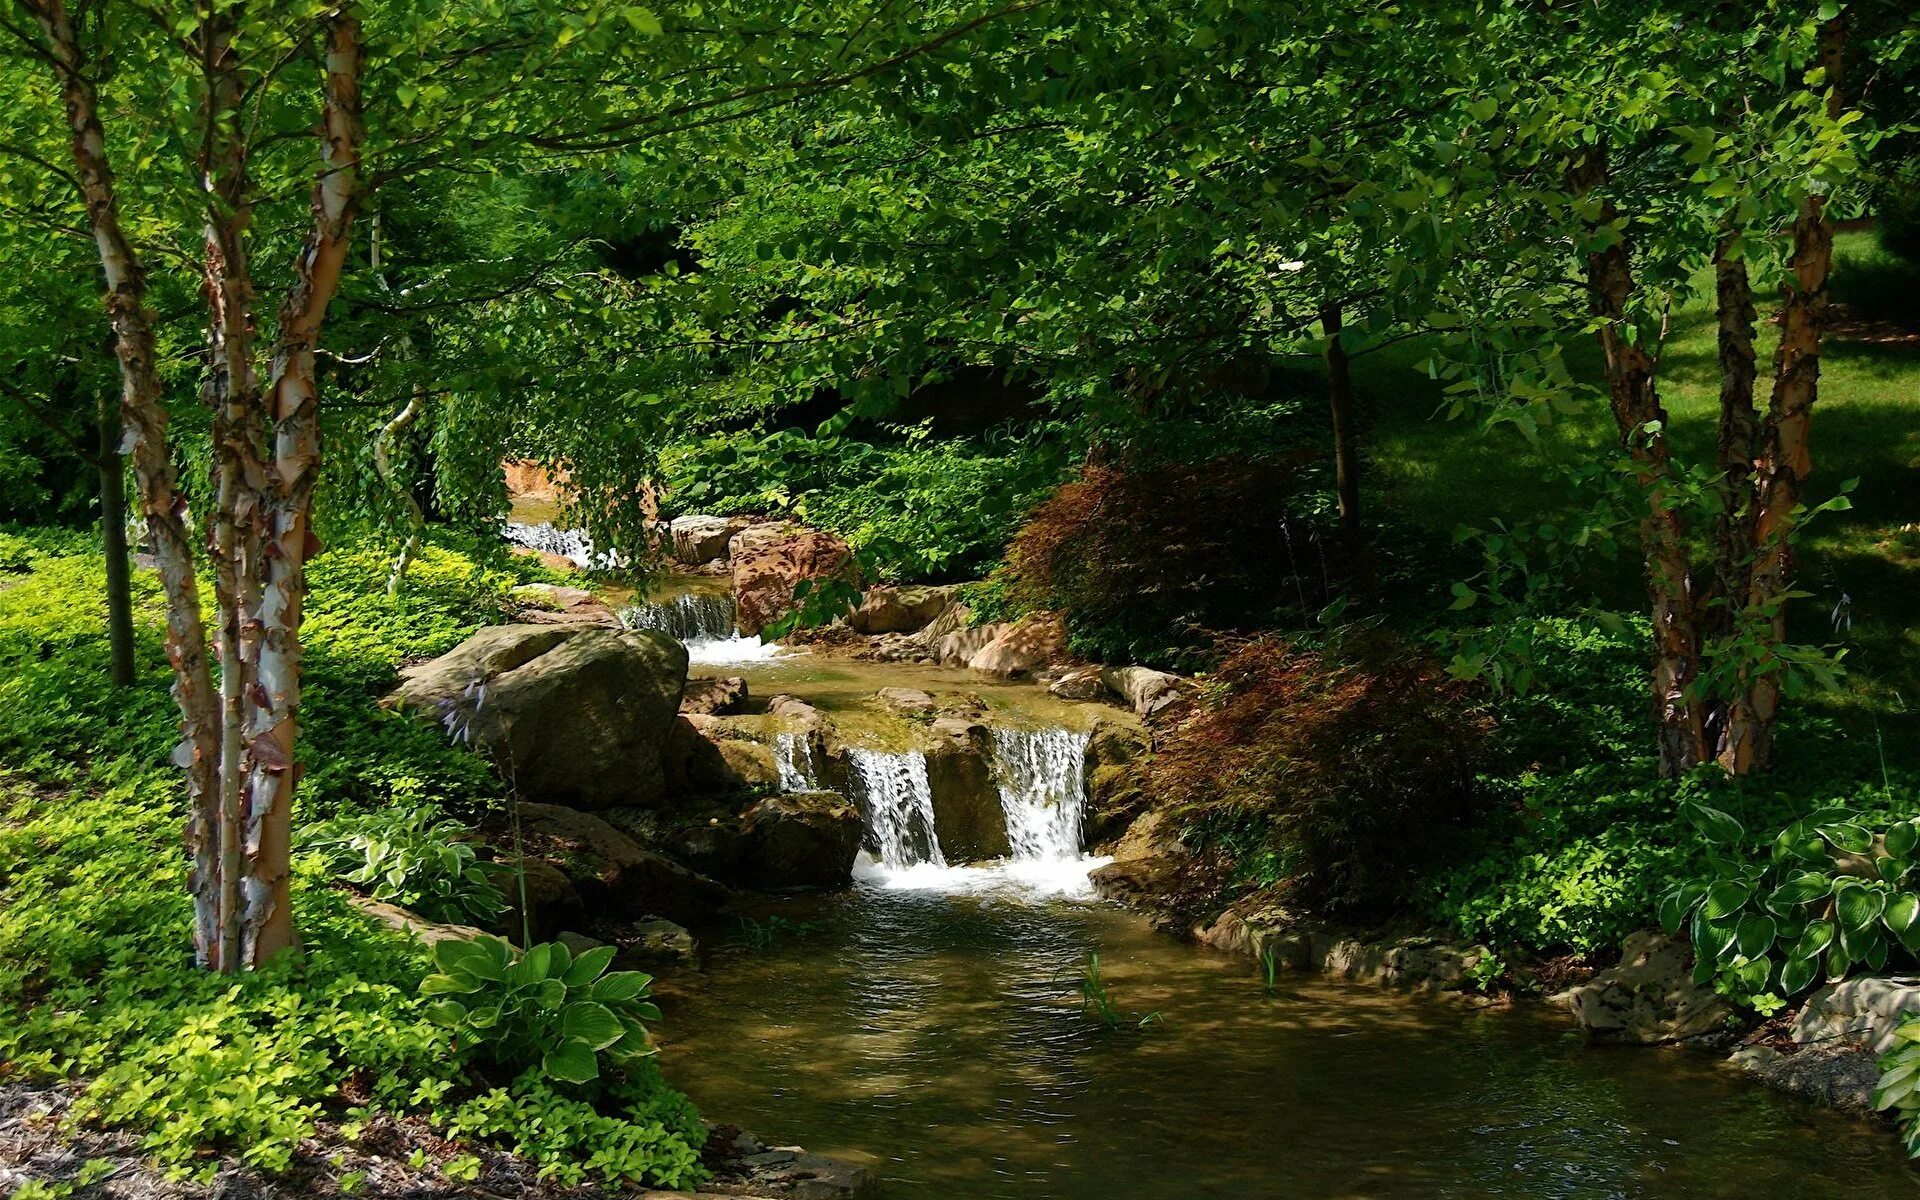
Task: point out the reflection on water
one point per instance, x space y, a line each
938 1038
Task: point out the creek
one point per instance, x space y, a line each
933 1021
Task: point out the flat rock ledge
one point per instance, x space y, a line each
1413 962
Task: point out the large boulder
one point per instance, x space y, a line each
1033 643
769 560
1116 794
801 840
957 648
1649 998
887 608
577 715
1150 693
1864 1012
1149 864
613 873
968 820
700 539
551 898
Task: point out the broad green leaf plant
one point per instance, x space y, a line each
1834 897
543 1008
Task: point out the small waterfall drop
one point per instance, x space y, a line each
1043 790
691 616
704 622
899 805
570 544
793 758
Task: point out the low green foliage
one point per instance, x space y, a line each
542 1007
1899 1086
97 982
411 856
1837 894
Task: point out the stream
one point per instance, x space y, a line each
931 1021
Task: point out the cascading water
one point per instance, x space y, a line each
1043 789
704 622
570 544
691 617
793 758
898 801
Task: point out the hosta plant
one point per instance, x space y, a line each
1832 897
1899 1086
543 1008
413 857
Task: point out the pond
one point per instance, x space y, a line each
936 1033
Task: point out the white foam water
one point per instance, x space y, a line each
793 758
703 622
570 544
1042 782
898 801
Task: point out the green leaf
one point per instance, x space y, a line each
620 987
588 966
1676 904
1847 836
1754 935
1857 905
1799 888
1818 937
588 1022
1719 827
459 984
1902 911
1902 838
475 958
1725 898
571 1062
450 1013
1797 974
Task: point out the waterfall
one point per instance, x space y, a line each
1043 790
793 758
893 789
691 617
570 544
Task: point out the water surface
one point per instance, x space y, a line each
940 1039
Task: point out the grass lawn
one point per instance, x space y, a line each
1863 564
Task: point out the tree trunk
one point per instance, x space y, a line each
113 541
1785 460
236 532
293 398
383 462
145 420
1680 713
1346 452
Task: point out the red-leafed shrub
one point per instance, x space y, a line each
1334 780
1150 563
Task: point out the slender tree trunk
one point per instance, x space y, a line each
1785 461
383 462
236 532
293 398
113 541
1346 452
1739 450
161 503
1680 713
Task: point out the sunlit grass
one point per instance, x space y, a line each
1862 566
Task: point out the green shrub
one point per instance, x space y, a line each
97 983
1900 210
1836 893
541 1007
411 856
